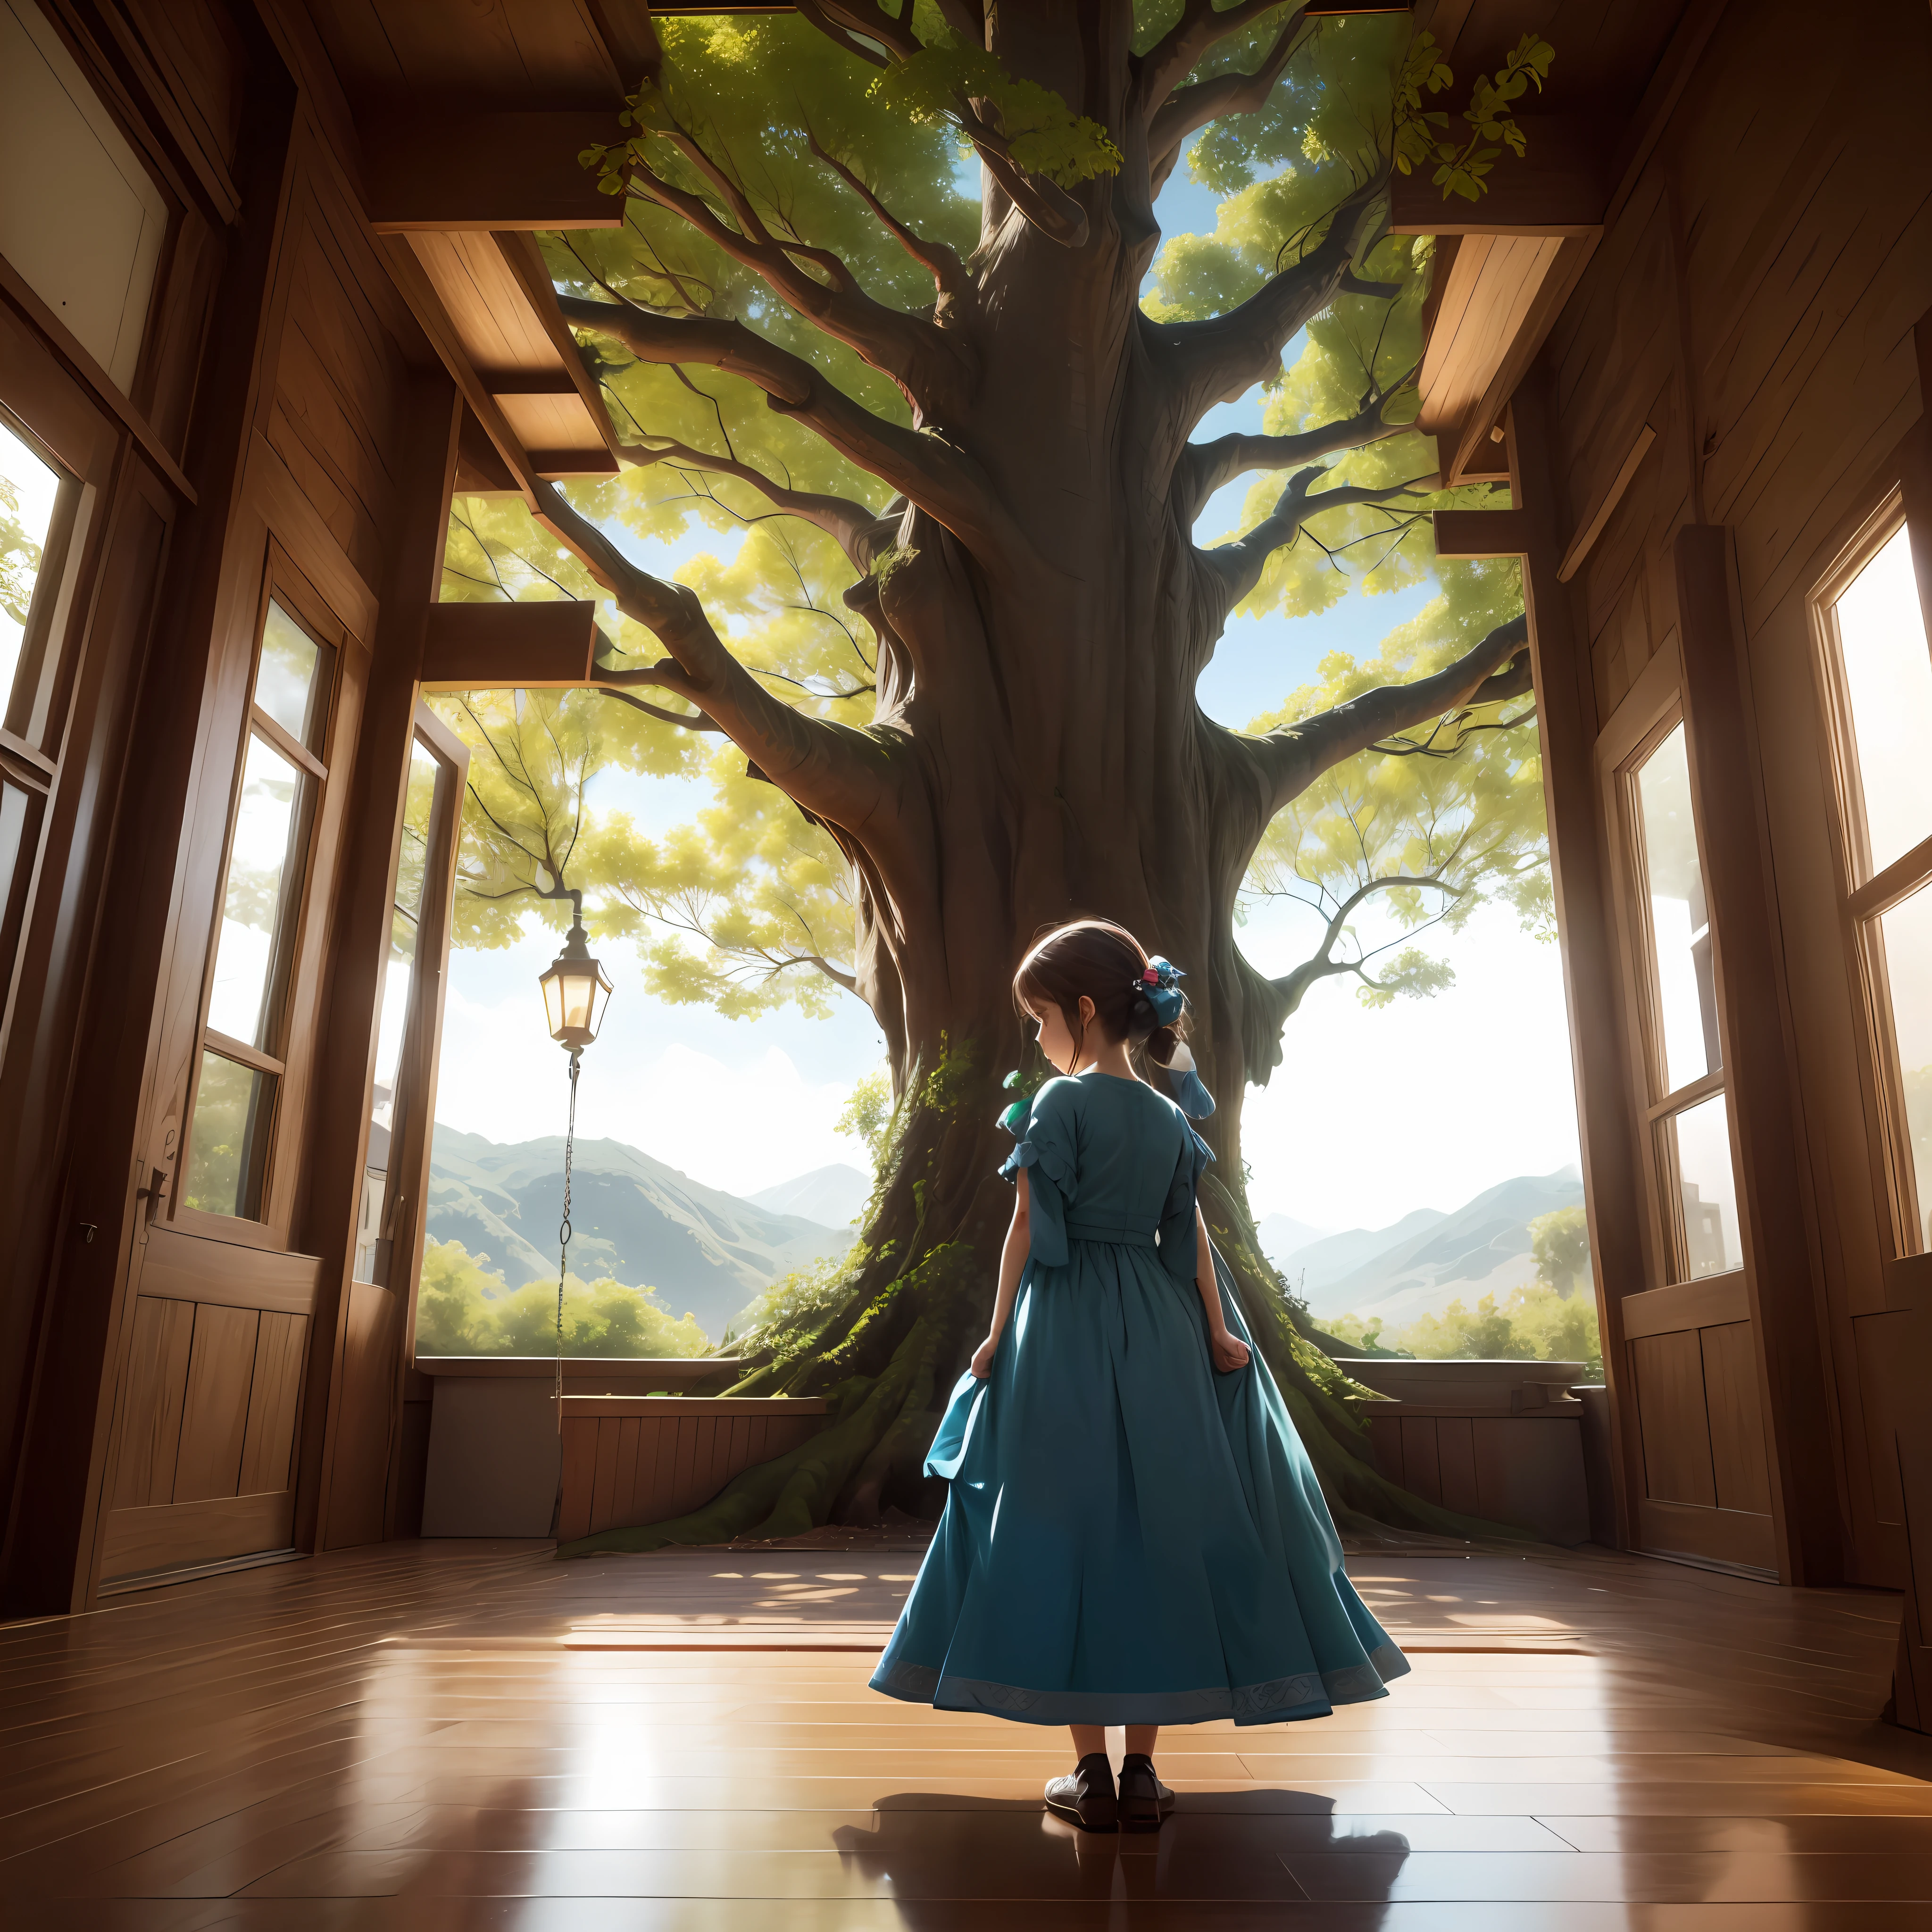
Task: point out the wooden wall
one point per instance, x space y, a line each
1751 308
183 1389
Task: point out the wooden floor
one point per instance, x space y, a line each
434 1736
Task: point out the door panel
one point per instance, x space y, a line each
1706 1472
204 1444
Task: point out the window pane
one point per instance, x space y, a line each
1888 679
228 1142
1680 924
1905 935
372 1247
263 873
27 487
413 865
1697 1158
291 681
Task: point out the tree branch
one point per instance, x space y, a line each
850 524
1188 108
950 281
1289 758
1182 48
1321 964
1207 465
911 348
1236 568
839 773
1221 358
939 478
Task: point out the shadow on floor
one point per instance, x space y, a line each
928 1847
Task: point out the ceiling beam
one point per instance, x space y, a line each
509 171
546 646
1560 184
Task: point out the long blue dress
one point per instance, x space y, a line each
1129 1538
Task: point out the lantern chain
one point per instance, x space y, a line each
563 1236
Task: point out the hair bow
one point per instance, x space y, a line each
1159 982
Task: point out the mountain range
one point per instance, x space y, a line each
706 1252
833 1196
1420 1264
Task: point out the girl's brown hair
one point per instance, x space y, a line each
1103 962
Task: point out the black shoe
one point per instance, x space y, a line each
1144 1800
1086 1795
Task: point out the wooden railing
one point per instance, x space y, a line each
632 1460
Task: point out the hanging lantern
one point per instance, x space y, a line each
575 991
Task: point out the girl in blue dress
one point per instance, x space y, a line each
1134 1534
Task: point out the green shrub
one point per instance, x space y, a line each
1533 1324
461 1310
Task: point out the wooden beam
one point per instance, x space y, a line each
1592 527
1727 781
1464 534
528 646
508 171
1567 726
1560 185
525 261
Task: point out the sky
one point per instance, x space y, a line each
1372 1114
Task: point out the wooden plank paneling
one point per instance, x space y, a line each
185 1268
1668 1372
1738 1457
1421 1468
151 1417
627 1461
1717 1298
1716 1535
214 1414
359 1481
188 1534
274 1397
1455 1460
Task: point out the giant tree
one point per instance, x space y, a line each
986 429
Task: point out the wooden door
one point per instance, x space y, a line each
202 1459
1696 1465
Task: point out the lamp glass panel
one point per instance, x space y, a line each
264 869
27 490
1680 920
1904 954
580 992
228 1138
1888 680
553 993
1697 1151
290 681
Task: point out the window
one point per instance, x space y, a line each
37 500
425 807
1878 683
243 1044
1689 1115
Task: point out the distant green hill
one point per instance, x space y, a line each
704 1252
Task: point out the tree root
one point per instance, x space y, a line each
795 1492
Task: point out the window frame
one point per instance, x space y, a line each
1903 1207
284 585
1660 1104
413 1096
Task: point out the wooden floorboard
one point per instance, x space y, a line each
465 1735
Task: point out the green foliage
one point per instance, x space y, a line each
1532 1323
867 1115
1428 830
799 1303
1044 135
1421 133
19 556
462 1310
1561 1242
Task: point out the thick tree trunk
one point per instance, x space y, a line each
1043 618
